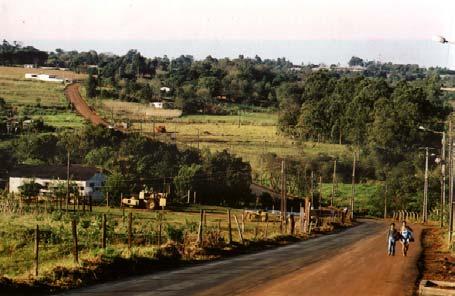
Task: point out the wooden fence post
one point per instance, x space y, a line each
243 221
107 199
194 197
291 218
229 226
189 196
160 227
90 203
103 238
75 247
130 230
266 228
36 249
302 219
199 235
239 230
307 214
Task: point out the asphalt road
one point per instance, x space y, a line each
352 262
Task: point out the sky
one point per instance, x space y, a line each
201 26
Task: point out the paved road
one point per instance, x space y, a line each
353 262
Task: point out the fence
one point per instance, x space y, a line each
37 236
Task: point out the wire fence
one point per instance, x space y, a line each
38 236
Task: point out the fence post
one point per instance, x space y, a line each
107 199
239 230
90 203
75 247
189 197
199 235
229 226
243 221
130 230
302 219
307 214
291 218
159 233
36 249
194 197
266 228
103 238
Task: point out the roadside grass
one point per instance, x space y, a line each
17 234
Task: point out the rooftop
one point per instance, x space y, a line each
77 172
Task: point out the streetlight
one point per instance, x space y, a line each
441 161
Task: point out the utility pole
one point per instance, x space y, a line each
67 179
425 188
283 194
334 177
450 183
443 178
353 186
320 191
312 188
385 201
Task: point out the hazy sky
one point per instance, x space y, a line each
248 20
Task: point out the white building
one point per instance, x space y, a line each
158 105
89 180
29 66
44 77
165 89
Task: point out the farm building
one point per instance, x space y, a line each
165 89
44 77
158 105
89 180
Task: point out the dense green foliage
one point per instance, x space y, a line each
14 54
134 162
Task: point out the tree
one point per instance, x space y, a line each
189 177
356 61
91 86
30 189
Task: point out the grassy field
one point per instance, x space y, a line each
248 135
364 193
17 246
38 98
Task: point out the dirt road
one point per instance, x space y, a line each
73 95
353 262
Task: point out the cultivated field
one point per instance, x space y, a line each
248 135
38 98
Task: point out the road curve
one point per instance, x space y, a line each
352 262
73 95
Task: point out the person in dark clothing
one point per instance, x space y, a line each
392 237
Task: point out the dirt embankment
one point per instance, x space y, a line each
436 263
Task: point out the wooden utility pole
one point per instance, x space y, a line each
283 195
312 187
36 250
450 183
334 179
443 178
385 201
67 179
353 186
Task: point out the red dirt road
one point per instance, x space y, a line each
362 269
352 262
73 95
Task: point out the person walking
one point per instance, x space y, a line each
406 237
392 237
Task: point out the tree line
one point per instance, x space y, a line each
133 162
